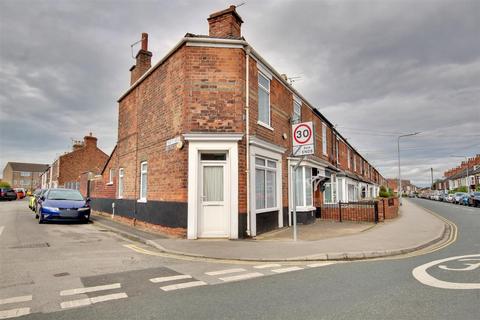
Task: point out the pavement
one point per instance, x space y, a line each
414 229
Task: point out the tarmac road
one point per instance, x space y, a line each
126 284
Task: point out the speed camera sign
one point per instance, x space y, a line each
303 139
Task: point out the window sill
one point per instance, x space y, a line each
109 184
304 209
260 123
142 200
266 210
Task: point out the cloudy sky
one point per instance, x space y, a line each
376 69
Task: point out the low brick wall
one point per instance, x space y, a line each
388 208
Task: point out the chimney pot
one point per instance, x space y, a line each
143 60
225 24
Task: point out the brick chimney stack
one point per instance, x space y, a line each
143 60
225 24
89 141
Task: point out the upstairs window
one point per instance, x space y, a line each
143 180
349 160
336 151
324 139
263 99
111 173
355 163
297 111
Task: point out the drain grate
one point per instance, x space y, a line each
32 245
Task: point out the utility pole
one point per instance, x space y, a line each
431 171
399 172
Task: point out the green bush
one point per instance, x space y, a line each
383 192
4 184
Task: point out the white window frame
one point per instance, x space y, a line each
265 169
349 161
305 206
297 110
324 139
337 145
110 176
267 90
142 172
121 175
25 174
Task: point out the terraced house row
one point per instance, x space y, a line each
204 143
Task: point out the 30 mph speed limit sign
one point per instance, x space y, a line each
303 139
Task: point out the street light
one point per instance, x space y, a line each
399 172
466 161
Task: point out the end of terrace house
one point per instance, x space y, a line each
204 143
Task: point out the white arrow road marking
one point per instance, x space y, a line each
183 285
226 271
88 301
420 273
471 266
12 313
71 292
320 264
171 278
16 299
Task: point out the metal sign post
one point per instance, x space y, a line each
303 144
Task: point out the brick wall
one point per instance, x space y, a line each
83 159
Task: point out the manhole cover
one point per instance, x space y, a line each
31 245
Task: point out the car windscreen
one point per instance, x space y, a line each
64 195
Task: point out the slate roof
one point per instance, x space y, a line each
28 167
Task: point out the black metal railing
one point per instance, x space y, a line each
364 211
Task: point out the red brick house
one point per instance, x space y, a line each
204 143
67 169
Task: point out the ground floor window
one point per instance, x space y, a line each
352 192
265 184
330 193
303 187
340 189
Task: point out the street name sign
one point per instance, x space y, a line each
303 139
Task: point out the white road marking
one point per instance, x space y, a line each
420 273
165 279
183 285
242 276
226 271
16 299
89 301
71 292
282 270
1 229
320 264
12 313
264 266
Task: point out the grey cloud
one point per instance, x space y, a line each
375 66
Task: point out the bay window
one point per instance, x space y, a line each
303 187
265 184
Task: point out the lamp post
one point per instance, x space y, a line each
399 171
466 161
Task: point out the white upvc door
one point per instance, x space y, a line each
214 218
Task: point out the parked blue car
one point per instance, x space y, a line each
63 205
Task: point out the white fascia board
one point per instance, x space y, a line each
214 45
254 141
201 136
